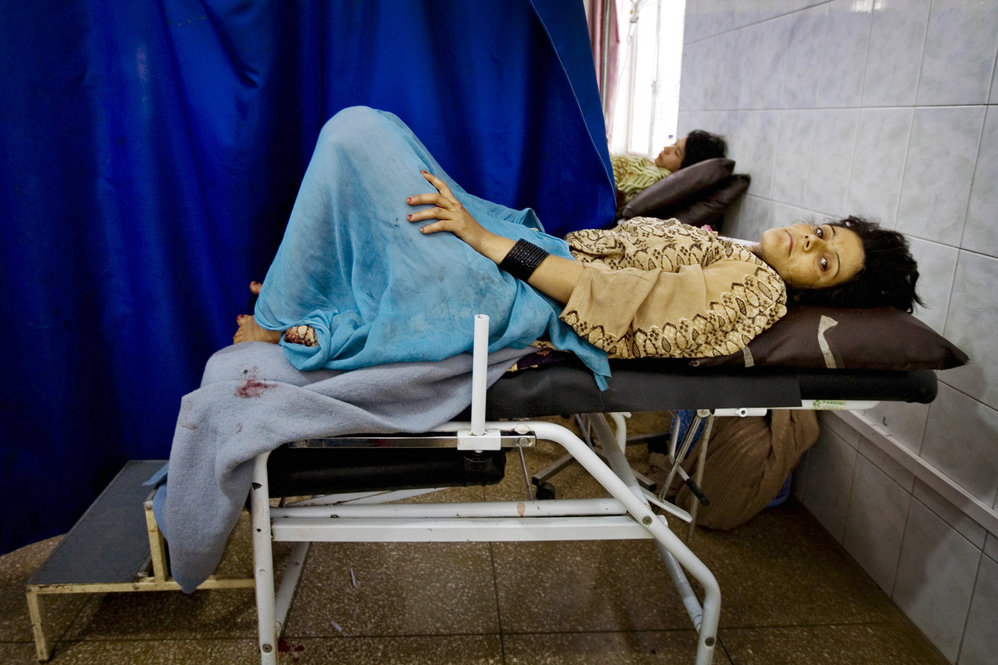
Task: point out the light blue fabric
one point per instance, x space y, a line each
373 287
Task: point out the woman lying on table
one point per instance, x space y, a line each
374 268
632 173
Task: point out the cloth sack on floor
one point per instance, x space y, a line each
748 460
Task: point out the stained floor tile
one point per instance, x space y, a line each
140 616
15 569
470 649
783 564
585 586
860 644
611 648
186 649
17 653
395 589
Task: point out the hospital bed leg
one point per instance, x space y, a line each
540 478
611 448
701 462
552 469
289 584
635 504
710 608
263 562
526 476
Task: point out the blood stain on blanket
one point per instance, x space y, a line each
252 387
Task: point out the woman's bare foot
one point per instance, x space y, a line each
250 331
304 335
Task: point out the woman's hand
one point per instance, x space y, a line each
555 276
449 213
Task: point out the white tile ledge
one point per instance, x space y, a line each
973 508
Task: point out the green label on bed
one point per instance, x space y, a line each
828 404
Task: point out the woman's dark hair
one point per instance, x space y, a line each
701 145
888 275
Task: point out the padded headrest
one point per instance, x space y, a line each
712 203
880 338
681 187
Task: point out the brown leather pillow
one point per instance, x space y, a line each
678 189
710 206
883 338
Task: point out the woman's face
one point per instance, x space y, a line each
671 156
813 257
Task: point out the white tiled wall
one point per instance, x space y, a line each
887 109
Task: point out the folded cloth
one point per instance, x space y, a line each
251 401
372 286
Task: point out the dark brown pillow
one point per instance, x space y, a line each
678 188
710 206
883 338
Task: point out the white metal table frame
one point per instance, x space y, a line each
626 514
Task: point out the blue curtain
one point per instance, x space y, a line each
151 152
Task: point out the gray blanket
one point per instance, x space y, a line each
251 400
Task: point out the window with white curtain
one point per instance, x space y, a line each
642 108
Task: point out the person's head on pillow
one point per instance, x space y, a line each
849 263
693 148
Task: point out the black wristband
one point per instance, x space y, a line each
522 260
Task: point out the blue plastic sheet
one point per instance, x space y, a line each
152 153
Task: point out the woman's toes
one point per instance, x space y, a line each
304 335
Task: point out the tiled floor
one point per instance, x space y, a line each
790 594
